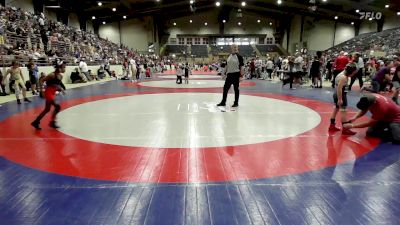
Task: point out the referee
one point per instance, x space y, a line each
234 72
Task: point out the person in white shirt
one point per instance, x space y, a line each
41 20
360 66
84 69
133 69
298 68
234 73
270 67
179 73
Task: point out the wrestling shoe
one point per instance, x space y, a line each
332 127
221 104
53 125
36 124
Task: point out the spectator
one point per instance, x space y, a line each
76 77
101 72
84 69
385 120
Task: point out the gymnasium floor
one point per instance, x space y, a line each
163 154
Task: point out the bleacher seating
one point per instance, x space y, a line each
175 49
247 51
265 49
220 49
199 51
386 41
22 37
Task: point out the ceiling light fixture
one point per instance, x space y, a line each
243 3
217 4
191 1
99 4
279 2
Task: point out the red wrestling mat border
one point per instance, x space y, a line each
52 151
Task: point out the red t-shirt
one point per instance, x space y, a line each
341 62
385 109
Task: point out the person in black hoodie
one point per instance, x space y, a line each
234 72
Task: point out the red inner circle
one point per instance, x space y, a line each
55 152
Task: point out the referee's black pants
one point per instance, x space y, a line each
232 78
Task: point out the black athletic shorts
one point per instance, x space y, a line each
335 99
32 79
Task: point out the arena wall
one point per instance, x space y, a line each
368 27
111 32
137 33
391 22
89 26
249 25
134 33
50 14
73 20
